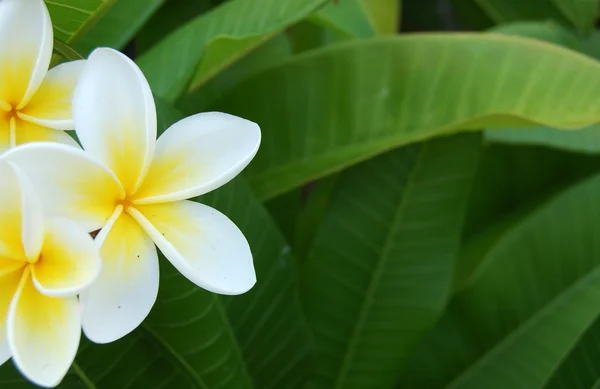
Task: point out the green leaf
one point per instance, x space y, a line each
578 13
384 14
580 370
326 110
72 19
182 51
203 99
349 17
586 140
196 339
300 212
511 182
120 23
531 299
380 272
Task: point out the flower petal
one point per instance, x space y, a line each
199 154
115 116
21 217
69 261
126 290
27 132
43 333
32 217
74 185
25 49
202 243
10 275
51 104
4 132
10 213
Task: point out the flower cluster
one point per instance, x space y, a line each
121 183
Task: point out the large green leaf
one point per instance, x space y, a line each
511 182
380 272
586 140
71 19
196 339
118 25
532 297
171 64
323 111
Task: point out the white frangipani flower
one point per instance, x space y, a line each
35 104
136 187
43 266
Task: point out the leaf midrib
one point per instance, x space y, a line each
525 325
374 284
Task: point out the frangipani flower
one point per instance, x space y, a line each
43 266
136 187
34 103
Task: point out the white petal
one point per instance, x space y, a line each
21 218
202 243
74 185
25 49
32 217
43 333
126 290
11 272
115 116
51 104
198 154
27 132
69 262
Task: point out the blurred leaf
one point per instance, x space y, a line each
72 19
533 296
171 15
580 370
586 140
578 13
510 177
272 52
380 272
182 51
548 31
120 23
350 17
329 109
385 15
196 339
300 212
510 183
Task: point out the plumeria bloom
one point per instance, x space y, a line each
135 187
35 104
43 266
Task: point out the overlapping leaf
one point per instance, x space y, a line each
72 19
118 25
578 13
329 109
182 51
586 140
526 306
380 271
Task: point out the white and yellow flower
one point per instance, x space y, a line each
35 104
43 266
135 188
